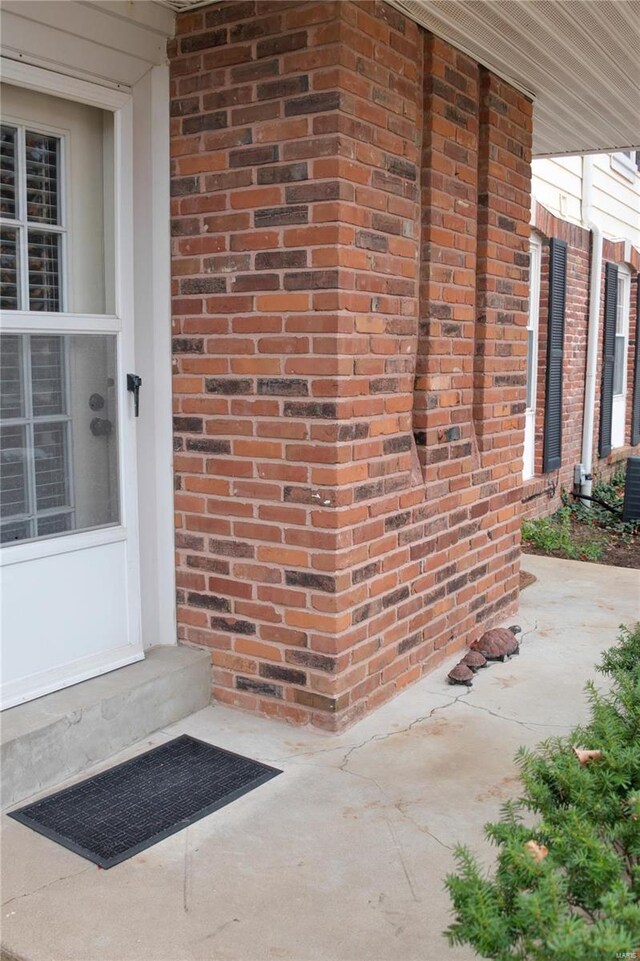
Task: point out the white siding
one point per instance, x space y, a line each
616 202
107 42
557 185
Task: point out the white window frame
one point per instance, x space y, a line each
619 411
23 225
533 334
625 165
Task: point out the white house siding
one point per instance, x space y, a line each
616 202
113 43
557 185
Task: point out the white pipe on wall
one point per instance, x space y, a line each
595 286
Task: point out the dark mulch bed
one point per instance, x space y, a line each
618 550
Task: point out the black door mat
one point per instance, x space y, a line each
120 812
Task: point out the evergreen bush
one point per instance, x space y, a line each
567 882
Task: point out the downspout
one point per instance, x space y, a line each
584 477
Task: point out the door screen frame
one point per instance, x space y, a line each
120 323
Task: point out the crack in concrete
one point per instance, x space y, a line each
28 894
217 931
340 747
404 730
529 725
344 765
399 806
403 863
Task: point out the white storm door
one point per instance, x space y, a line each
68 515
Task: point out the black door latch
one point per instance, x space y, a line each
134 383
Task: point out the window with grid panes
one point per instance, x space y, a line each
622 331
51 480
34 437
57 474
31 220
36 496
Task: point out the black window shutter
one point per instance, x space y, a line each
608 358
552 448
635 415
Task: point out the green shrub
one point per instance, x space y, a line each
568 887
554 535
612 493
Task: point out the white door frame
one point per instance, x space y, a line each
120 103
152 254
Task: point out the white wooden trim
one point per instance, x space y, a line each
153 356
533 321
20 552
625 276
124 300
619 401
17 321
60 85
36 685
624 166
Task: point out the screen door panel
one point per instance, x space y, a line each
59 435
68 494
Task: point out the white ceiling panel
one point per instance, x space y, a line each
578 59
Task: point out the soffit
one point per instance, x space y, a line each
577 59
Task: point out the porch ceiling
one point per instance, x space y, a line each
577 59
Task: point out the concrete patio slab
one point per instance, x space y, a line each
343 857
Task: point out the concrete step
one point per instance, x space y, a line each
56 736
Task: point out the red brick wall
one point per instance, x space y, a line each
326 556
542 494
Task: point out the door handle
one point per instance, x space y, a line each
100 427
134 383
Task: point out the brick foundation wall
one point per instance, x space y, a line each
347 485
542 494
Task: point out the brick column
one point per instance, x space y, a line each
502 291
443 421
295 262
315 561
502 272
